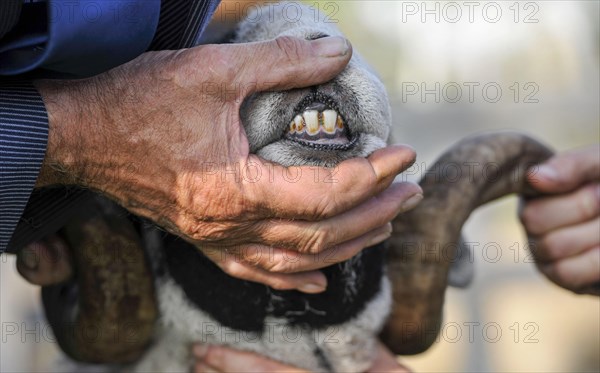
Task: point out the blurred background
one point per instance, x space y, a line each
452 69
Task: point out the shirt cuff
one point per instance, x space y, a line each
23 140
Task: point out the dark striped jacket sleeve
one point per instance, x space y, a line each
23 138
9 15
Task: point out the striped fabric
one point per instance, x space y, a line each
23 137
181 23
200 15
9 15
171 24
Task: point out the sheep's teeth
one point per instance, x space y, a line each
329 120
299 122
312 121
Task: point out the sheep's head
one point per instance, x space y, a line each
323 125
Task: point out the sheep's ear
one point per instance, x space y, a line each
106 314
425 240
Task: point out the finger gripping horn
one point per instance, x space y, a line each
424 242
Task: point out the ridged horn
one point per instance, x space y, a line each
107 313
473 172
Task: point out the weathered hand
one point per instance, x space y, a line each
161 135
211 359
564 227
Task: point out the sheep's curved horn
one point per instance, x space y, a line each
107 314
474 171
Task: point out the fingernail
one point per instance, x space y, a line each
200 351
312 288
379 238
412 202
335 46
28 257
546 172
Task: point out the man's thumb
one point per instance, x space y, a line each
289 62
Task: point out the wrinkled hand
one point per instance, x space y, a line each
161 135
564 227
211 359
